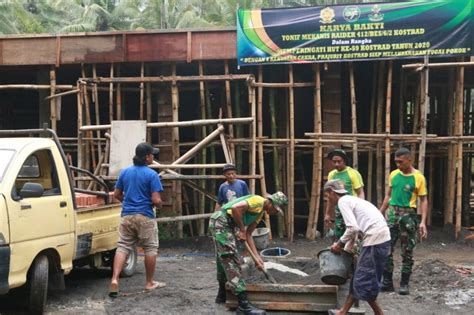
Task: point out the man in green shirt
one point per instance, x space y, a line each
405 185
241 214
353 183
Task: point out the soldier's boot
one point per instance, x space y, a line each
387 283
246 308
221 295
404 289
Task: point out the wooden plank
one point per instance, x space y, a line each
92 49
31 51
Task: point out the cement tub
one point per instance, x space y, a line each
289 297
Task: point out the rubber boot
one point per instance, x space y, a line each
245 307
404 290
387 283
221 295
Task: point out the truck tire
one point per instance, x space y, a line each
38 285
130 265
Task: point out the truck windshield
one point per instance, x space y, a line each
5 158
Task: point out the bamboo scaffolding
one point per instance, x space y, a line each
142 92
118 93
148 109
372 130
111 95
35 87
291 162
449 210
253 133
61 94
355 159
97 111
313 214
90 150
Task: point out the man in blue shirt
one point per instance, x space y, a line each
138 188
232 188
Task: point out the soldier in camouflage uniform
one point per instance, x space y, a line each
353 183
406 185
241 214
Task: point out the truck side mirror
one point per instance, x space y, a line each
31 190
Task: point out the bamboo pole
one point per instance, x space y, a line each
261 157
421 66
142 92
372 130
97 112
80 148
355 159
379 174
238 129
119 95
148 110
276 160
416 116
313 214
90 152
423 116
460 130
176 193
35 87
52 102
449 210
291 187
170 79
225 149
253 133
387 122
111 95
228 98
430 190
61 94
202 105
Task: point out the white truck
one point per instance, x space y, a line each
43 233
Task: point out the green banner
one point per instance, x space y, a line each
412 29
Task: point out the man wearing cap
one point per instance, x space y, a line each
232 188
352 181
138 188
405 185
360 216
244 214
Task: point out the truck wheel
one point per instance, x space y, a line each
130 265
38 285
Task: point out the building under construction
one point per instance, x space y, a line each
275 122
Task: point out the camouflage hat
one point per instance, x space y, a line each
335 185
278 199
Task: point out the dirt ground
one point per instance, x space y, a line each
438 286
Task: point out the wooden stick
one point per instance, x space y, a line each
355 160
239 129
169 79
387 122
35 87
111 95
225 148
314 204
186 166
423 115
261 158
61 94
184 218
430 190
460 131
275 85
448 213
291 187
421 66
148 110
80 147
90 151
253 132
228 98
52 102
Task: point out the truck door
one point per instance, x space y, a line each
44 221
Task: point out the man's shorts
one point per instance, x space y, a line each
138 230
366 282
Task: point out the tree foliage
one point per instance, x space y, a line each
68 16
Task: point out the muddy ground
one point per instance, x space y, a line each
188 268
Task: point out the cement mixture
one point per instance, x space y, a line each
438 285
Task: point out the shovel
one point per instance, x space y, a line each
265 272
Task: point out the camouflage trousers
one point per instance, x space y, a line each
339 226
228 260
403 224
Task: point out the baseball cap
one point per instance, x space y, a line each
229 167
143 149
335 185
278 200
337 152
